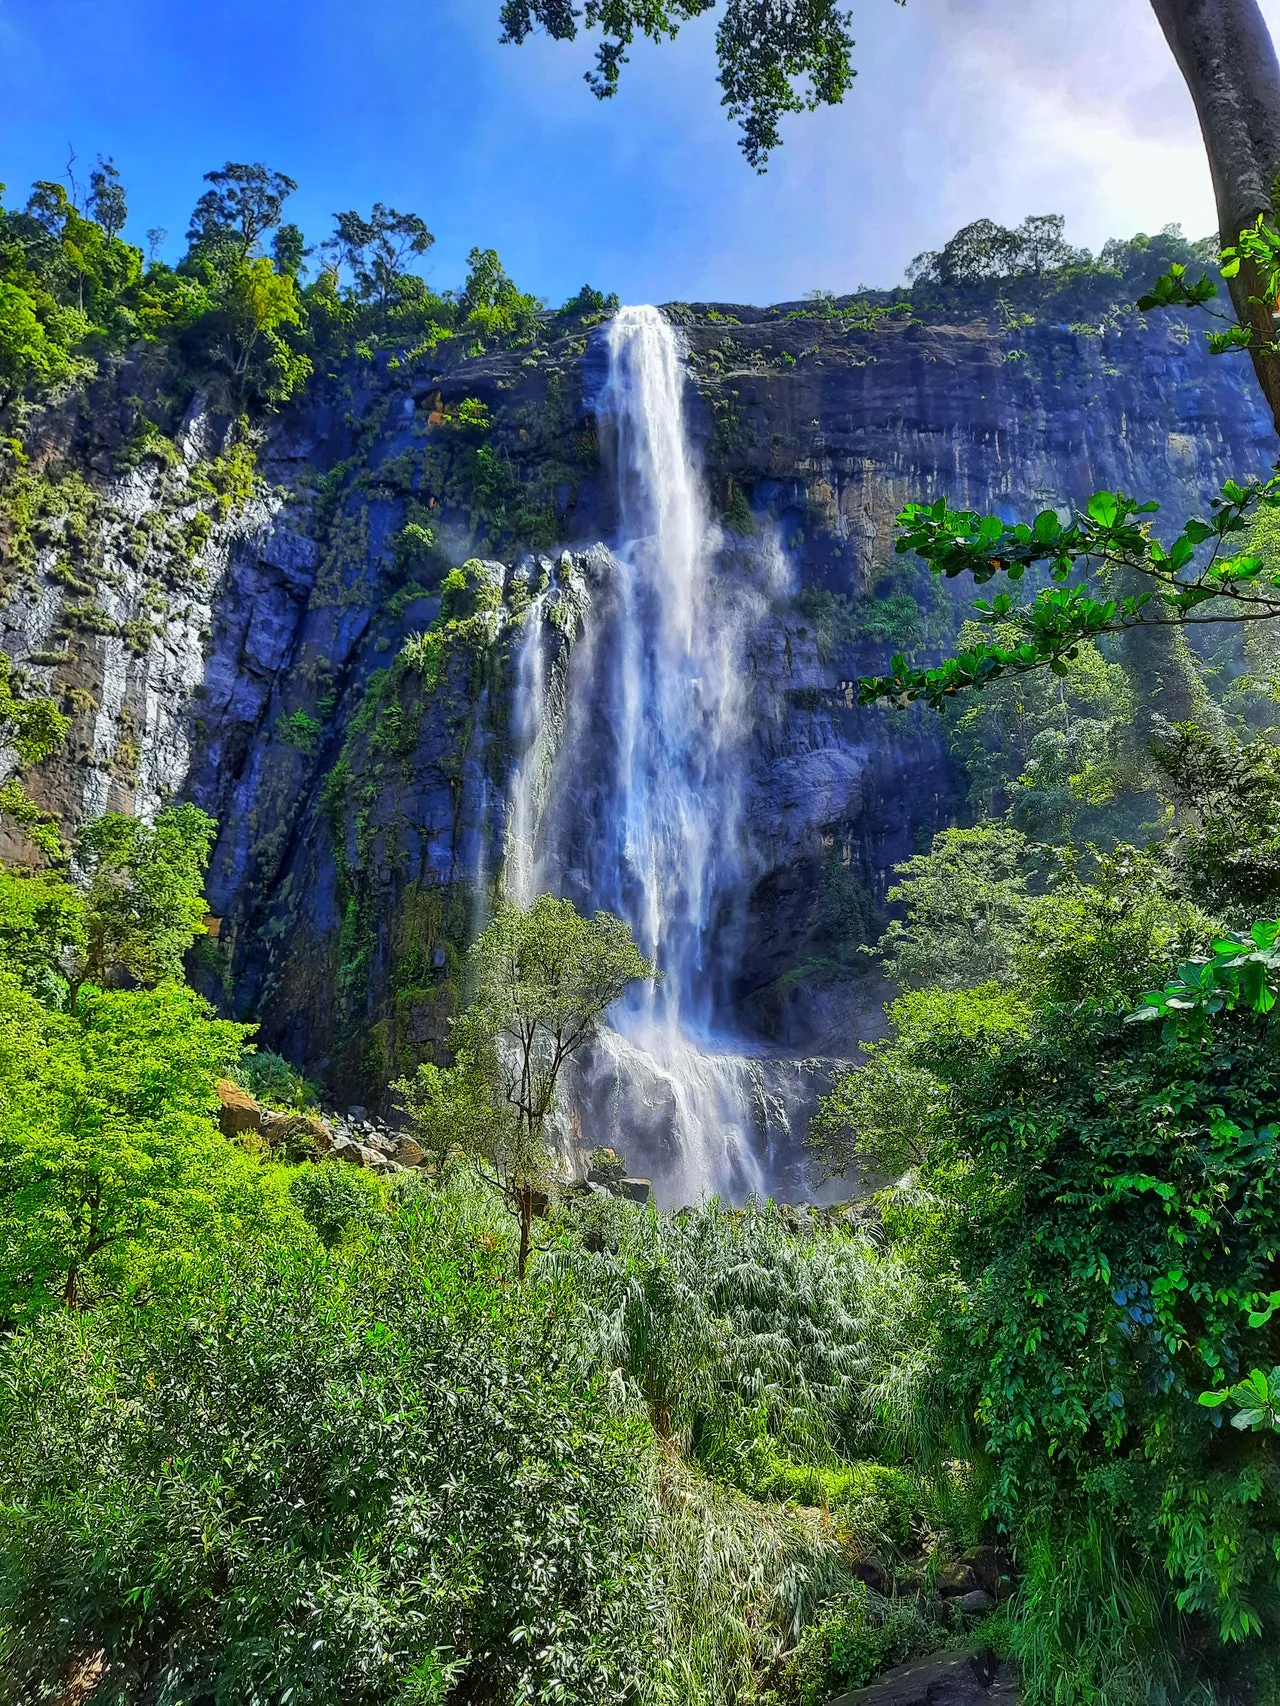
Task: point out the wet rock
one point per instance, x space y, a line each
956 1578
975 1604
989 1568
942 1679
876 1574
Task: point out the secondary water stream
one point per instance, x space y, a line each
629 798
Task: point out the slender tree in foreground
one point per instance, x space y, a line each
542 979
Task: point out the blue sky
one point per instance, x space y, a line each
961 108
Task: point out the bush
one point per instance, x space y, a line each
859 1636
322 1484
750 1344
877 1503
1106 1194
335 1197
607 1165
275 1082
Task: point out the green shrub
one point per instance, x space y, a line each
608 1164
859 1636
324 1483
276 1082
302 730
336 1197
877 1503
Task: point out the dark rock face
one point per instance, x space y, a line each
362 802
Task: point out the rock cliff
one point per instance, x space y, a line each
290 654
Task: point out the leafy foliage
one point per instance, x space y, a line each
112 1173
964 901
1258 247
985 250
774 59
469 1505
1228 793
1099 1192
144 903
336 1199
234 314
1054 752
378 250
274 1081
1240 971
1183 583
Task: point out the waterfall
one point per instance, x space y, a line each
638 810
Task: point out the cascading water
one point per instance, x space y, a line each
639 809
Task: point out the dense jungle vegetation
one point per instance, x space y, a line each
275 1429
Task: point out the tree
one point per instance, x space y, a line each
493 306
289 250
965 904
143 902
542 980
110 1161
1104 1192
260 305
32 728
985 250
42 929
31 725
106 203
243 205
777 57
378 249
1227 849
1126 581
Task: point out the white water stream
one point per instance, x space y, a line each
634 803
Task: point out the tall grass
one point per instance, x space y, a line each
737 1581
744 1339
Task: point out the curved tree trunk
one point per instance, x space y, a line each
1225 52
526 1228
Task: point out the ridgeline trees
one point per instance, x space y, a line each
776 59
378 250
236 311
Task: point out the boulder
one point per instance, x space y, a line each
975 1604
990 1569
942 1679
299 1135
956 1578
408 1152
357 1155
237 1110
876 1573
638 1190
